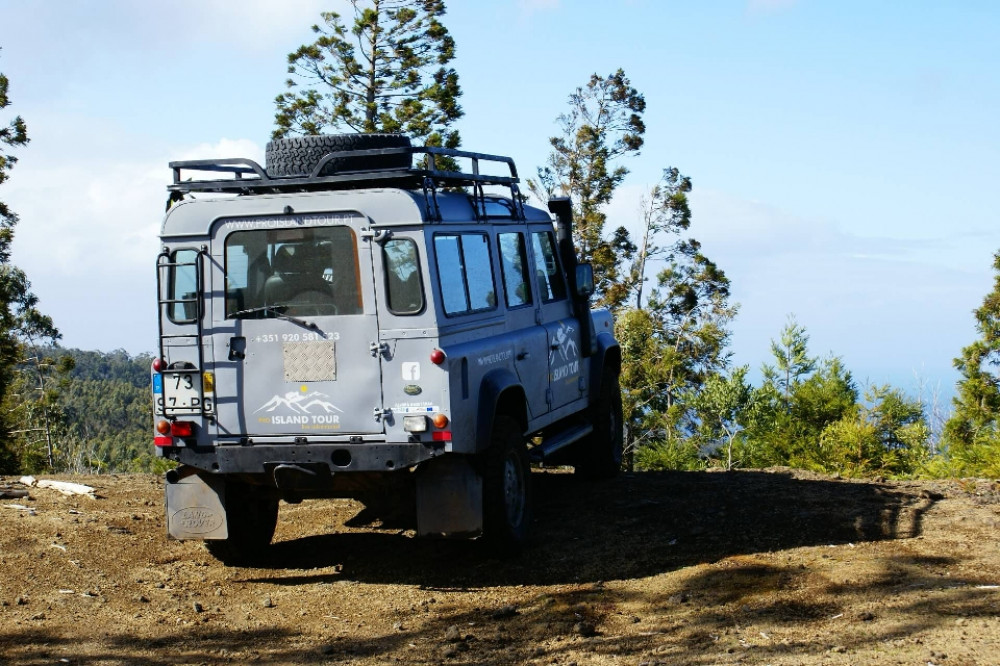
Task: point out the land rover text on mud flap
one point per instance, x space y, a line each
350 325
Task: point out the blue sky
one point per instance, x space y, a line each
844 154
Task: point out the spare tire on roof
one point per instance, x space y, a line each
299 156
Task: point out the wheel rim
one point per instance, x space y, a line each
513 490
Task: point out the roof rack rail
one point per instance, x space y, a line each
248 177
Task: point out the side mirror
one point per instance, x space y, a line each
584 280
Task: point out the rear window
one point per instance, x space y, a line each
182 290
402 276
302 272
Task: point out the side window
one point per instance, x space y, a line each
514 268
465 273
238 278
402 276
182 290
550 278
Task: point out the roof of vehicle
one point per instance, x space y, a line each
249 177
387 197
383 207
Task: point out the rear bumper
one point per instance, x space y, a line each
338 457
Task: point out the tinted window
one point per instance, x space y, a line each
450 274
465 272
183 287
402 276
303 271
550 278
514 268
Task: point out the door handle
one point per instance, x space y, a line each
237 348
521 355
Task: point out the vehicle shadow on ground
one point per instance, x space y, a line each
707 621
633 526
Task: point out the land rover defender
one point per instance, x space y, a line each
361 316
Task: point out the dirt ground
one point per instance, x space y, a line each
774 567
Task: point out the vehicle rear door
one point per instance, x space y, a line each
295 327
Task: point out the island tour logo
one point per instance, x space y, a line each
565 363
303 408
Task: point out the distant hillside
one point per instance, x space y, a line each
116 365
108 412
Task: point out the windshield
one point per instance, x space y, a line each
303 272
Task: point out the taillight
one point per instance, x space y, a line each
157 364
163 427
159 440
182 429
439 421
437 357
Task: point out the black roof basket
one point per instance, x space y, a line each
248 177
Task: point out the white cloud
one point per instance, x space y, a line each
87 240
887 305
222 149
88 231
257 25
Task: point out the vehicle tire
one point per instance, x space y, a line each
507 496
600 454
299 156
251 516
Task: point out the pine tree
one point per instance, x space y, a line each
972 434
665 210
800 396
35 409
723 406
886 434
675 336
671 348
604 123
14 135
20 319
388 72
792 361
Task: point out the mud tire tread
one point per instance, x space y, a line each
298 156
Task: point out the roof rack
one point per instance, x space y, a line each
248 177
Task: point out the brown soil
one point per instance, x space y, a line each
775 567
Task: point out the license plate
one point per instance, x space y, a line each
182 392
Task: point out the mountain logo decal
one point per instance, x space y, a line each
301 403
308 410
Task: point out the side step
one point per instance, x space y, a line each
559 441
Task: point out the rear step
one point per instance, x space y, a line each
559 441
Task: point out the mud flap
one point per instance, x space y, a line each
449 498
196 507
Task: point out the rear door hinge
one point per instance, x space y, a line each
377 348
382 413
378 235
